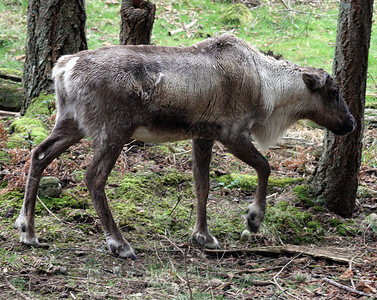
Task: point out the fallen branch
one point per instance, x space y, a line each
347 288
261 282
282 250
5 113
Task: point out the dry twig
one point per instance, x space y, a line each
184 253
274 279
187 277
60 220
346 288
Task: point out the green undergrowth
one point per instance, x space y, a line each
68 199
42 106
148 204
153 203
250 182
27 130
236 15
292 225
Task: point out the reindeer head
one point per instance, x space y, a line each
330 109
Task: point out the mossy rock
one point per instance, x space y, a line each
50 187
11 95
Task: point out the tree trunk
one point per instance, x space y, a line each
54 28
336 177
137 17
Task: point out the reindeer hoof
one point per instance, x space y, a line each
206 240
27 236
123 250
254 218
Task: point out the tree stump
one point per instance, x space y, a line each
137 17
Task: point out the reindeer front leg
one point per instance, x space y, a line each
243 149
201 157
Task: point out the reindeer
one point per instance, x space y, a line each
220 89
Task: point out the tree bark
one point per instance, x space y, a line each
54 28
137 17
336 177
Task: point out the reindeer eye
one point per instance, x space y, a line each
334 94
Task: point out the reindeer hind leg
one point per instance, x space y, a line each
65 134
105 155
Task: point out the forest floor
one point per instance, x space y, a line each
74 263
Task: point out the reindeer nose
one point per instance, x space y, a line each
349 125
353 123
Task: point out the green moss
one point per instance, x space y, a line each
30 130
43 105
335 222
341 228
250 182
66 200
12 72
292 225
11 200
283 182
226 225
5 157
236 14
304 193
175 178
27 130
153 203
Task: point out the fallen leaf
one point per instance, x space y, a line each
346 275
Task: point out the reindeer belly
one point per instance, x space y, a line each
158 135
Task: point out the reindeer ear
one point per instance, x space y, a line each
313 81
